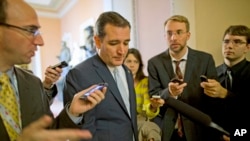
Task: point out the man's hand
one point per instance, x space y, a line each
176 89
226 138
156 103
51 76
79 106
37 131
214 89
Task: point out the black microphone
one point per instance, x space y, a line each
193 114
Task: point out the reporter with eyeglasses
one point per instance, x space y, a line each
185 64
231 92
23 101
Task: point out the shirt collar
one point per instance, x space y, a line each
234 69
10 73
184 57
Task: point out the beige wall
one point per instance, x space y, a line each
213 17
208 18
54 28
51 33
82 11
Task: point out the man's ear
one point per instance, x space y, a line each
97 41
248 47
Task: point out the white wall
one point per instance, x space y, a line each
126 9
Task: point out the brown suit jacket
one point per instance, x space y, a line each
34 103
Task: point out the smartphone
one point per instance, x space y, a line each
60 65
176 80
100 86
156 96
203 78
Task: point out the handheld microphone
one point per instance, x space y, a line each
193 114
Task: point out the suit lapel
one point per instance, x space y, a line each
167 63
106 76
221 70
25 97
190 65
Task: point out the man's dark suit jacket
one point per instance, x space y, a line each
51 93
108 121
34 103
161 71
232 112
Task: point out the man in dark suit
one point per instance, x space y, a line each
115 118
162 69
51 76
231 91
38 131
19 38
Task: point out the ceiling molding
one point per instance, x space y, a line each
52 8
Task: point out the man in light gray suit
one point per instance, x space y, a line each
114 119
162 69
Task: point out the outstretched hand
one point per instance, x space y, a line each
37 131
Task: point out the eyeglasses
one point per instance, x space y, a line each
177 33
32 29
236 42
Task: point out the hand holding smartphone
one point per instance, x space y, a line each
156 96
100 86
60 65
176 80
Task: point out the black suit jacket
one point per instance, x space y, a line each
161 71
34 103
232 112
108 121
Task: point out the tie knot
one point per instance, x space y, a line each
116 72
4 78
178 72
228 71
178 62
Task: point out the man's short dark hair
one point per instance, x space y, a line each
112 18
238 30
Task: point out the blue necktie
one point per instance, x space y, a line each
122 89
